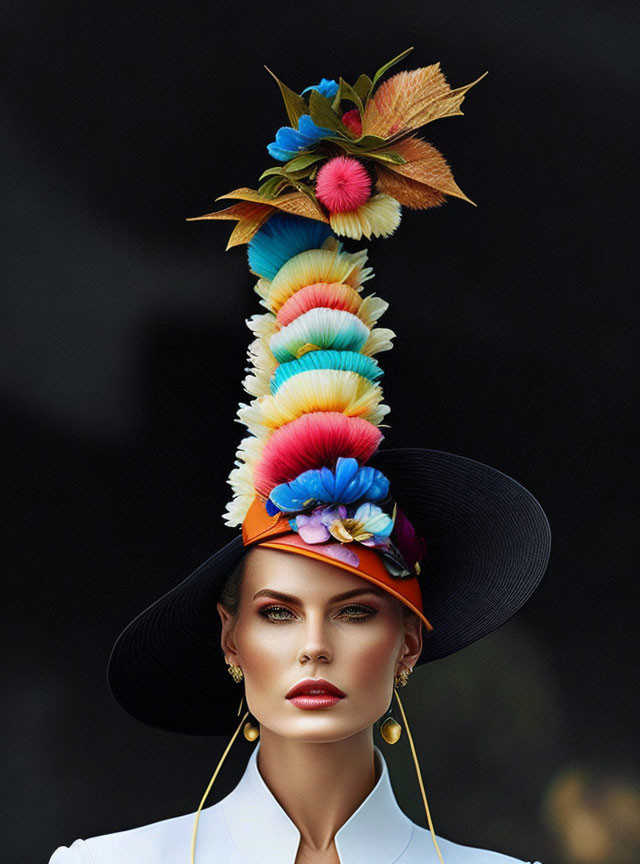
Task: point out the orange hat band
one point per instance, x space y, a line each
259 528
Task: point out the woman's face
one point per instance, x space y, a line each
294 622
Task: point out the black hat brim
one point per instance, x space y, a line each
488 544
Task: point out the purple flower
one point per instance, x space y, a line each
369 525
341 553
314 528
412 547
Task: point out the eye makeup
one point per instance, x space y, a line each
358 612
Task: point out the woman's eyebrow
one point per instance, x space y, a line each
290 598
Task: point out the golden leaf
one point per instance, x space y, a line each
411 194
249 215
408 100
423 164
245 194
298 204
236 211
247 227
292 202
253 210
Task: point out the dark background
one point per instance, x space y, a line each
125 349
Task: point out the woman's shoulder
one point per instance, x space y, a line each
169 840
421 849
162 842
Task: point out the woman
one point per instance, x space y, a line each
354 563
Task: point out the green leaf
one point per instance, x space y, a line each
302 161
337 99
349 93
363 87
323 114
370 142
271 171
301 187
298 175
293 102
368 152
381 71
349 146
389 156
308 191
271 187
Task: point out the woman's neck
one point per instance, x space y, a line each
319 786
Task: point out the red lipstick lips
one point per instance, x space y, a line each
314 693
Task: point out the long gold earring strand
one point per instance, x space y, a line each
215 774
417 766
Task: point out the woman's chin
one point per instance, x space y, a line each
317 727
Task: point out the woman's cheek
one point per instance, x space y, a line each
264 649
260 654
376 661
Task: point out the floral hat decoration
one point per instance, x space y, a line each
458 542
317 410
350 168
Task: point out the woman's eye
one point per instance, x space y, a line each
358 613
351 613
276 613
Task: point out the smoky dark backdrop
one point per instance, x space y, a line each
125 347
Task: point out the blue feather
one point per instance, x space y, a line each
282 237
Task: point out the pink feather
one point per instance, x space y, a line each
330 295
311 441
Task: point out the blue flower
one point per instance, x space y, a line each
348 483
369 518
290 141
327 87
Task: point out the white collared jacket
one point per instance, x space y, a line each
249 826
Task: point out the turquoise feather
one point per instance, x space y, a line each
282 237
350 361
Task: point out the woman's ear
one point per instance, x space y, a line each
227 640
412 647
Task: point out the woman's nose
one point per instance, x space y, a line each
315 645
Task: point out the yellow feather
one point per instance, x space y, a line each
377 217
318 390
317 265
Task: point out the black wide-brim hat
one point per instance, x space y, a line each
488 544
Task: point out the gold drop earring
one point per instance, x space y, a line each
391 732
250 731
390 729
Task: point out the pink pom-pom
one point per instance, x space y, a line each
352 121
343 184
311 441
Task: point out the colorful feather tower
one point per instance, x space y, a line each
349 162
